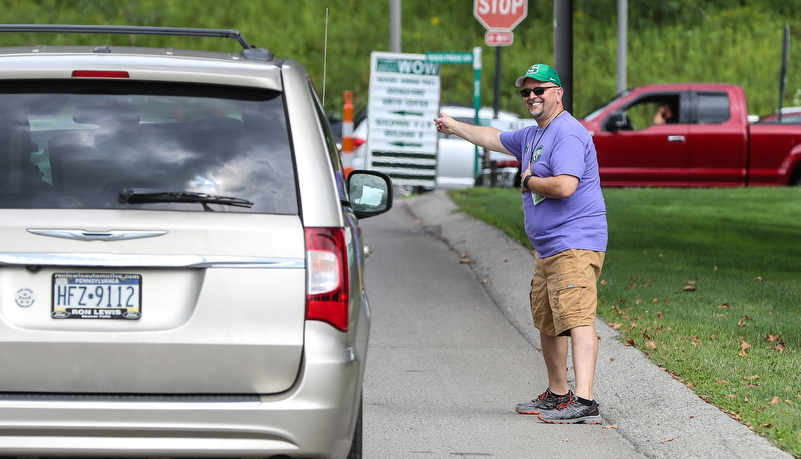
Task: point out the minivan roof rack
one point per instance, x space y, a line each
126 30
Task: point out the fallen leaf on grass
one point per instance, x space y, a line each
767 426
731 396
778 347
604 282
774 401
724 305
743 321
696 341
743 347
772 338
760 279
650 344
629 342
689 288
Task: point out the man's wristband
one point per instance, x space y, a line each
525 181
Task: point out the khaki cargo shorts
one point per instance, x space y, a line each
564 291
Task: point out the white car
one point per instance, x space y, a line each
456 160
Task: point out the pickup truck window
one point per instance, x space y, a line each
713 108
659 109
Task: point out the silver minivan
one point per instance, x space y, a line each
181 266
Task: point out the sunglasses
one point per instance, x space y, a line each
537 91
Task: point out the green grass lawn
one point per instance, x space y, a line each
705 282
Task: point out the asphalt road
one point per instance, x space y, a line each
452 350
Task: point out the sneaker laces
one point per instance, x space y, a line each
564 405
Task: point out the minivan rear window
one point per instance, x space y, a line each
124 144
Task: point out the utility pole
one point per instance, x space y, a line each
395 26
622 46
563 48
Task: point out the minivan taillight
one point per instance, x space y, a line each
327 283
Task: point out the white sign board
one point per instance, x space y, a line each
403 102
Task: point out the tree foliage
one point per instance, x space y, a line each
735 41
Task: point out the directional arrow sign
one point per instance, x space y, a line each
405 113
407 144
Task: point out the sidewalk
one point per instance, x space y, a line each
659 415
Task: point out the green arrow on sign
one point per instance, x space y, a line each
404 144
405 113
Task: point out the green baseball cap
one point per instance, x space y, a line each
540 72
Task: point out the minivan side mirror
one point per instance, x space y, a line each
370 193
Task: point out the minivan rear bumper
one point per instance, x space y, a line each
314 419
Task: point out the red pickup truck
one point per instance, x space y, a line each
707 142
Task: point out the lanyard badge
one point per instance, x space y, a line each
535 156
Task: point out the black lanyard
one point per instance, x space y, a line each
542 134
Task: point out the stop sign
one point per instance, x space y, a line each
500 14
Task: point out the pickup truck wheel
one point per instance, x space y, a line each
795 178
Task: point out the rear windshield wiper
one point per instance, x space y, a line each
143 195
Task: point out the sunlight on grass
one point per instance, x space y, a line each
705 282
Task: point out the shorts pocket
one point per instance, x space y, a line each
570 304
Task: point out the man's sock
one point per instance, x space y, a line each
584 401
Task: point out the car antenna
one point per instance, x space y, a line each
325 53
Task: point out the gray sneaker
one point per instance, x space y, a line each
572 412
546 401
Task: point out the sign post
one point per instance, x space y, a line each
465 58
499 17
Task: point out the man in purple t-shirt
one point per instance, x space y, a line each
565 219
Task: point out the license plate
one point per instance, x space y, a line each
97 296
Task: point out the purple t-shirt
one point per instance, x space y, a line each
575 222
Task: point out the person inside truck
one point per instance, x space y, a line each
665 114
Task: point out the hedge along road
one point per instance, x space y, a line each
452 351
